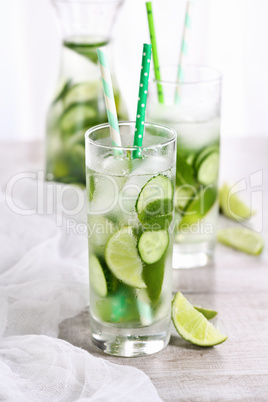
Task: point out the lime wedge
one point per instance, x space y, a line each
231 205
209 314
241 239
199 206
192 325
122 258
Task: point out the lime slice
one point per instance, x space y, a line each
153 245
96 276
241 239
199 206
209 314
209 169
154 205
123 259
231 205
192 325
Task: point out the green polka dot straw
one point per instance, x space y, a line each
142 99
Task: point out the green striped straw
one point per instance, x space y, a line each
109 98
142 99
184 47
155 54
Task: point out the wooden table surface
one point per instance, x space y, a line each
236 285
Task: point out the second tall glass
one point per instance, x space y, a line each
192 108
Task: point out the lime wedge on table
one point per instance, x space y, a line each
241 239
154 204
231 205
199 206
192 325
209 314
122 258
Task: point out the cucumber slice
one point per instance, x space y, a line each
209 169
203 154
199 206
77 117
97 277
154 204
153 245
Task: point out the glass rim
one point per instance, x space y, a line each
199 67
132 148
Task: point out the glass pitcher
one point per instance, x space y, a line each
79 102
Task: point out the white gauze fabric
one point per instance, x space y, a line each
43 281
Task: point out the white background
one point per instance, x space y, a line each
230 35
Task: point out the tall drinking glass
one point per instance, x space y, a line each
192 108
130 221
